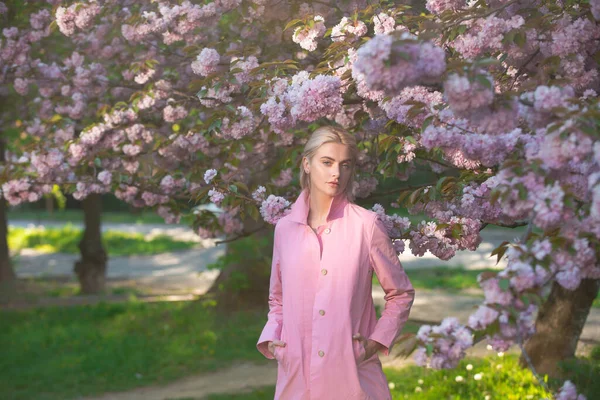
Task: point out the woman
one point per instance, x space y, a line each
322 327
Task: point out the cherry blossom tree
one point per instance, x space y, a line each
495 99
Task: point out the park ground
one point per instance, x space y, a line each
148 337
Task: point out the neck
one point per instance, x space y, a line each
320 203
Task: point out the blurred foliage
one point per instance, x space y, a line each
66 240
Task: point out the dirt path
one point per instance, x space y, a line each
244 377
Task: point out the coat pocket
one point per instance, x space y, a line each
279 354
359 351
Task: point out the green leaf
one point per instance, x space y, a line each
291 23
504 284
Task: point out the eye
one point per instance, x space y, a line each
327 162
347 166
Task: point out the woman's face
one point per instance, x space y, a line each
331 164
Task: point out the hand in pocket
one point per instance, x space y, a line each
271 346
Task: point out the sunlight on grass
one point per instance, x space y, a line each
64 353
66 239
494 377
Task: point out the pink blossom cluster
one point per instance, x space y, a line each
84 189
362 89
304 99
170 185
395 225
407 154
485 35
127 193
466 93
460 233
311 99
78 15
364 186
151 199
173 114
48 165
570 269
284 178
307 36
245 65
230 221
259 194
244 126
390 65
447 341
383 24
397 109
461 146
595 9
568 391
348 29
176 22
216 95
168 215
209 175
274 208
570 37
216 196
17 191
105 177
207 62
439 6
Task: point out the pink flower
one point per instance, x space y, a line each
274 208
569 392
384 24
307 36
105 177
172 114
209 175
390 66
216 196
465 93
207 62
439 6
355 29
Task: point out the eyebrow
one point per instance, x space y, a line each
349 159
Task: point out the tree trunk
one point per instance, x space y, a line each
91 269
7 273
244 285
559 323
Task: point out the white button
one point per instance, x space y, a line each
327 230
322 312
321 353
324 271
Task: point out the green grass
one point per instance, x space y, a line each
63 353
449 279
501 378
66 239
76 216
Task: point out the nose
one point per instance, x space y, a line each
335 171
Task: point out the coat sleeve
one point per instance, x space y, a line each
272 329
399 292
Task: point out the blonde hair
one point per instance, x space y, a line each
329 134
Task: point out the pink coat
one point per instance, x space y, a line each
320 295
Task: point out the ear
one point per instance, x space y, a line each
305 165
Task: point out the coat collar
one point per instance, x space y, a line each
301 207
